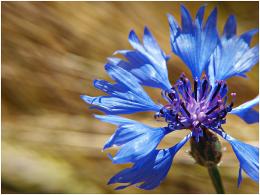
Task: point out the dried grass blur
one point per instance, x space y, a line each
51 52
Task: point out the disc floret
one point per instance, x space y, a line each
203 107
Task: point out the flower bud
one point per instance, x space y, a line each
207 151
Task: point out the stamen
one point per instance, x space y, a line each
198 124
185 85
223 90
204 87
172 113
175 92
181 87
229 108
216 91
222 114
185 109
192 107
161 111
157 115
183 75
171 95
233 99
196 88
212 109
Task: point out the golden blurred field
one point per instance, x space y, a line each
51 52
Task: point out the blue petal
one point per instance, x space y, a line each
200 15
230 28
247 155
153 48
135 139
233 55
194 43
125 97
250 116
239 178
247 36
145 74
246 111
151 170
186 20
147 62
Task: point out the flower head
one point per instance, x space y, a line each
195 109
199 105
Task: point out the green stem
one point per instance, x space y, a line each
216 179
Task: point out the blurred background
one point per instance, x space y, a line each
51 52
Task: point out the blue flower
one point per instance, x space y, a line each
200 106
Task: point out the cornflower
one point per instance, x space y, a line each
199 105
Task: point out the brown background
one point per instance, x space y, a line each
51 52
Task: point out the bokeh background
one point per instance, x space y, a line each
51 52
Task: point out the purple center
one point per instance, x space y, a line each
203 107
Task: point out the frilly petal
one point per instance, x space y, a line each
246 111
230 28
233 55
194 43
135 139
125 97
151 170
147 62
247 155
